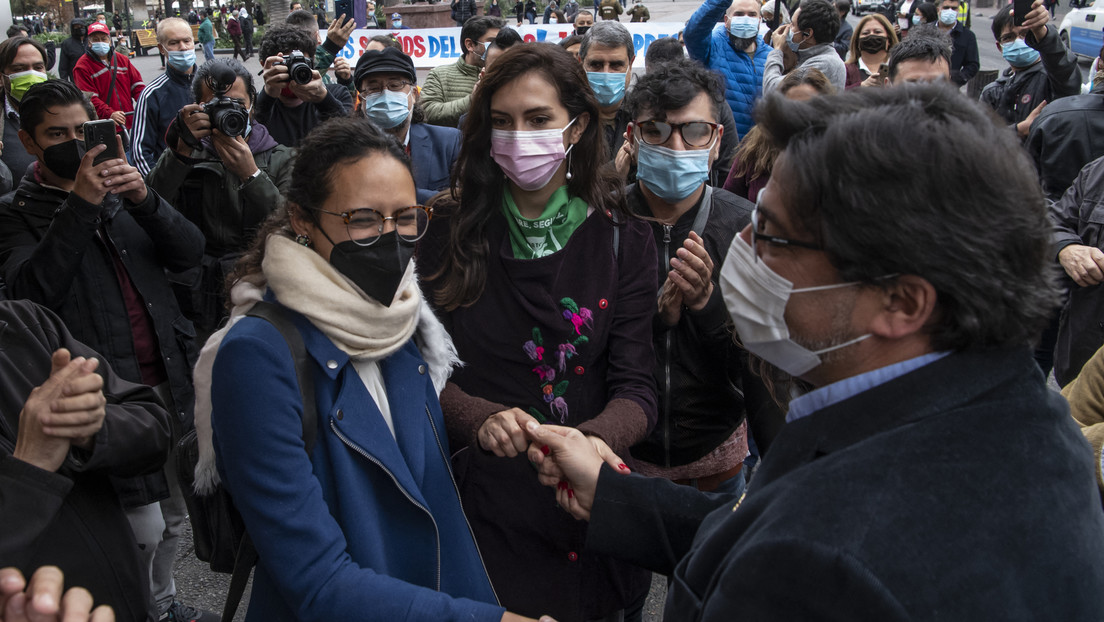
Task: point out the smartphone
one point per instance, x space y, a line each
1020 9
101 133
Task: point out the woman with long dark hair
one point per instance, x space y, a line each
547 287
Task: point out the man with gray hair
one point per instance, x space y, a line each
607 54
164 95
736 51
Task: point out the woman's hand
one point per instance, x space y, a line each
42 600
578 457
503 433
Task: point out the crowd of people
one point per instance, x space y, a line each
773 318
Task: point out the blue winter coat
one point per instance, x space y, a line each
707 42
368 527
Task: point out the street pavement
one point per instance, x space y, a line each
199 587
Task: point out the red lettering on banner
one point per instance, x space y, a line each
530 38
419 46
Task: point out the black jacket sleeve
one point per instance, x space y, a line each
1063 74
647 521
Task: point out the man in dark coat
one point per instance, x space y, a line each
72 49
56 500
917 478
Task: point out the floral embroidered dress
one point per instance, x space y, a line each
565 337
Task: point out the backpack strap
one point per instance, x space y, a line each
246 556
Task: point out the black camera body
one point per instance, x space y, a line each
299 67
227 115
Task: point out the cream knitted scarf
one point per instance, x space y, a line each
306 283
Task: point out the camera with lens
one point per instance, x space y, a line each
226 114
299 67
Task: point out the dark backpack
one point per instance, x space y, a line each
217 529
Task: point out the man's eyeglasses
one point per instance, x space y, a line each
758 235
694 133
394 86
365 225
1008 37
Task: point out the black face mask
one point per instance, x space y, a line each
377 269
64 159
872 44
581 30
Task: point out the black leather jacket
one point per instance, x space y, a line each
705 388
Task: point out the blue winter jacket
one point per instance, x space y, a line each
366 528
707 41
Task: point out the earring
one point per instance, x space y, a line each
569 165
303 240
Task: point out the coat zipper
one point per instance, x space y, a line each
452 478
376 462
667 363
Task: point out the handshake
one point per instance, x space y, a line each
564 457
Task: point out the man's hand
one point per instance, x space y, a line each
344 72
46 428
43 601
577 457
692 272
197 122
1084 264
503 433
275 75
778 39
122 179
670 303
313 91
1036 20
625 158
1024 127
119 117
235 155
89 183
340 29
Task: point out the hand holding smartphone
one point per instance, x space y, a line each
1020 9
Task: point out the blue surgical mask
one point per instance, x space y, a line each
743 26
796 47
672 175
387 109
100 48
182 60
397 23
1019 54
917 19
609 88
948 17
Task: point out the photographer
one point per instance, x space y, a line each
227 185
294 101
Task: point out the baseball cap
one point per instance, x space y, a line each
387 60
396 16
98 27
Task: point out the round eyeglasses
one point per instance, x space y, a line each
365 225
694 133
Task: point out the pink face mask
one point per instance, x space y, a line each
530 159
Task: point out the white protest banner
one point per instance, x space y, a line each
432 47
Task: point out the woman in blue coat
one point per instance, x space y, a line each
368 526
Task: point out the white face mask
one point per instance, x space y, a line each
756 298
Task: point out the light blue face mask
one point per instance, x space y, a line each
948 17
609 88
672 175
917 19
181 60
743 26
794 46
100 48
1019 54
387 109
